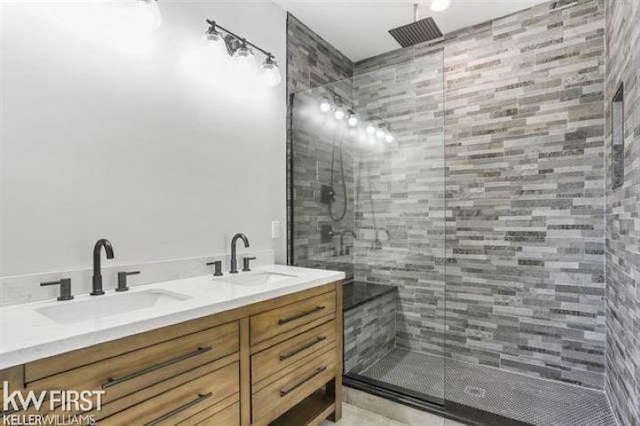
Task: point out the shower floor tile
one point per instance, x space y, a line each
528 399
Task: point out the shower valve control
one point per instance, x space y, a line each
327 194
326 233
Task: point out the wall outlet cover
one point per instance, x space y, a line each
275 229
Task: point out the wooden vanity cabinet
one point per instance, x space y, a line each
277 361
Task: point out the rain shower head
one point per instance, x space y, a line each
419 31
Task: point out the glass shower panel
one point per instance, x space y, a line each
368 199
323 184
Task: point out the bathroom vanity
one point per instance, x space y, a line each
251 349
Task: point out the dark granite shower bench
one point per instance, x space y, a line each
369 323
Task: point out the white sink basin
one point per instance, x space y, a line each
258 278
111 305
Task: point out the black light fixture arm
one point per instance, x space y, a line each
214 25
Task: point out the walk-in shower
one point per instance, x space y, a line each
472 240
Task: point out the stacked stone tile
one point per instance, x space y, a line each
623 222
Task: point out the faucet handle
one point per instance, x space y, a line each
217 267
246 263
122 280
65 288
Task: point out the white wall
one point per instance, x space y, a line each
100 139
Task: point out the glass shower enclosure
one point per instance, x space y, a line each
367 194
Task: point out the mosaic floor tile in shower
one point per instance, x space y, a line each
529 399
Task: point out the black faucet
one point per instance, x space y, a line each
234 259
65 288
97 275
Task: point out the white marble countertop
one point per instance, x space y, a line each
27 335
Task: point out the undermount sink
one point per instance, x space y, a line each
106 306
258 278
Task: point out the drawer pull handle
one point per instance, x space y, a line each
302 348
199 399
300 315
285 392
112 382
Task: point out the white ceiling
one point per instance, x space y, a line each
359 28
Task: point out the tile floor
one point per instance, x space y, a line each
355 416
528 399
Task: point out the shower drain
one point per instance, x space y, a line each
475 392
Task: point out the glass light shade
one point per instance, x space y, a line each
325 105
370 129
388 138
380 133
352 120
213 41
270 73
339 114
440 5
213 37
245 60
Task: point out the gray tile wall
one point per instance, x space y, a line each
316 69
400 190
369 332
525 189
525 193
623 222
525 196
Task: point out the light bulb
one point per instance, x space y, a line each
244 59
213 42
325 105
148 14
352 120
339 114
380 133
213 37
270 73
388 138
370 129
440 5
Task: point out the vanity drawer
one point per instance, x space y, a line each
183 402
304 378
133 371
269 361
221 414
14 376
271 323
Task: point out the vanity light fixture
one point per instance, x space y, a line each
339 113
245 59
270 73
214 37
241 50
